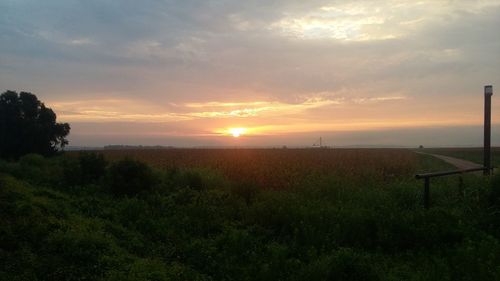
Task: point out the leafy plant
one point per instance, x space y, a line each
129 177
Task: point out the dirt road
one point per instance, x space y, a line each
459 163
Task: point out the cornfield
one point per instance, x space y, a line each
278 168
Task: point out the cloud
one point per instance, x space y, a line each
106 110
262 63
372 20
102 110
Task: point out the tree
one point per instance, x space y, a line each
27 126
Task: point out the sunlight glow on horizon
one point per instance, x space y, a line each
237 132
269 118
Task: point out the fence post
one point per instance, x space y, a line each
427 192
488 92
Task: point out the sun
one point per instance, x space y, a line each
237 132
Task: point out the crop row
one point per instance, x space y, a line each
281 168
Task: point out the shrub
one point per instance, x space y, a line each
71 172
34 168
77 254
92 165
32 160
343 264
246 190
129 177
87 168
193 180
142 269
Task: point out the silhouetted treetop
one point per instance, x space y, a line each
27 126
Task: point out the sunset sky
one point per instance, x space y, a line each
190 73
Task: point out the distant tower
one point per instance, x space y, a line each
319 143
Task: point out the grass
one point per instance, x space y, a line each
471 154
429 163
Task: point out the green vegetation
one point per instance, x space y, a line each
80 218
429 163
471 154
129 177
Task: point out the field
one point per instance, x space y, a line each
243 214
282 168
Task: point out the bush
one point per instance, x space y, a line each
142 269
34 168
77 254
32 160
193 180
71 172
245 190
129 177
87 168
92 165
343 264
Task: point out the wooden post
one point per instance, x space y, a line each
488 92
427 192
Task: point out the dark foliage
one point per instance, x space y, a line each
93 166
129 177
27 126
87 168
246 190
192 225
495 192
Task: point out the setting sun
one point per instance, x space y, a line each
236 132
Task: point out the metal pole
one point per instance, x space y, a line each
427 193
488 92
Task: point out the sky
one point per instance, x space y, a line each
284 72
